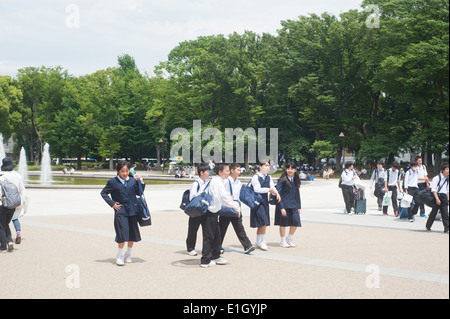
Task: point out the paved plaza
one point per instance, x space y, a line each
68 251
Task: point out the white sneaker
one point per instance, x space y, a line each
211 263
119 261
284 244
290 243
192 253
128 259
263 246
220 261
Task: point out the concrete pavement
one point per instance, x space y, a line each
68 251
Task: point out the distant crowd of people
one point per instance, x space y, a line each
412 184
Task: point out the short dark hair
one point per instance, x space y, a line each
413 163
395 164
417 157
234 165
220 167
122 164
202 167
348 165
444 166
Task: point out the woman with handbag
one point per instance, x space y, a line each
120 193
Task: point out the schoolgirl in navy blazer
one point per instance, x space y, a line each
124 195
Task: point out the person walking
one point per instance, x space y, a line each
233 187
392 184
422 181
287 212
6 214
262 183
194 223
378 179
439 188
412 189
210 221
348 178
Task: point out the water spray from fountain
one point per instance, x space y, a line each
46 169
2 150
23 168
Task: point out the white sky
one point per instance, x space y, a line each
85 36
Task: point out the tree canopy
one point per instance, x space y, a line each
386 87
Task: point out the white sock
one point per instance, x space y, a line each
120 252
258 240
289 237
129 251
263 239
283 239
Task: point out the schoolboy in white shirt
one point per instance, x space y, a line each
197 187
233 187
439 188
210 221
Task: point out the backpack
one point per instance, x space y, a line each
10 196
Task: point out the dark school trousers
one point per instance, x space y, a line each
211 237
443 208
349 197
6 216
422 205
414 192
394 200
224 222
193 225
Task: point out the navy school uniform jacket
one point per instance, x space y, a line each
115 191
290 195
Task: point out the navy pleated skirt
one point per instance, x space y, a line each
292 217
127 228
260 216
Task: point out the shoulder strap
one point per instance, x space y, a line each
207 186
231 187
441 186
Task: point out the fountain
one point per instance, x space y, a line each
23 168
2 150
46 169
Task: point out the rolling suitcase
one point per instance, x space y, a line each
361 205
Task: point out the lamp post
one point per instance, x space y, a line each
343 148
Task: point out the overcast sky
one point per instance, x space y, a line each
85 36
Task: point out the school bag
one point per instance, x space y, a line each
10 196
198 206
427 197
249 197
185 198
144 218
229 211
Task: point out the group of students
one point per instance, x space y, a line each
224 189
415 180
